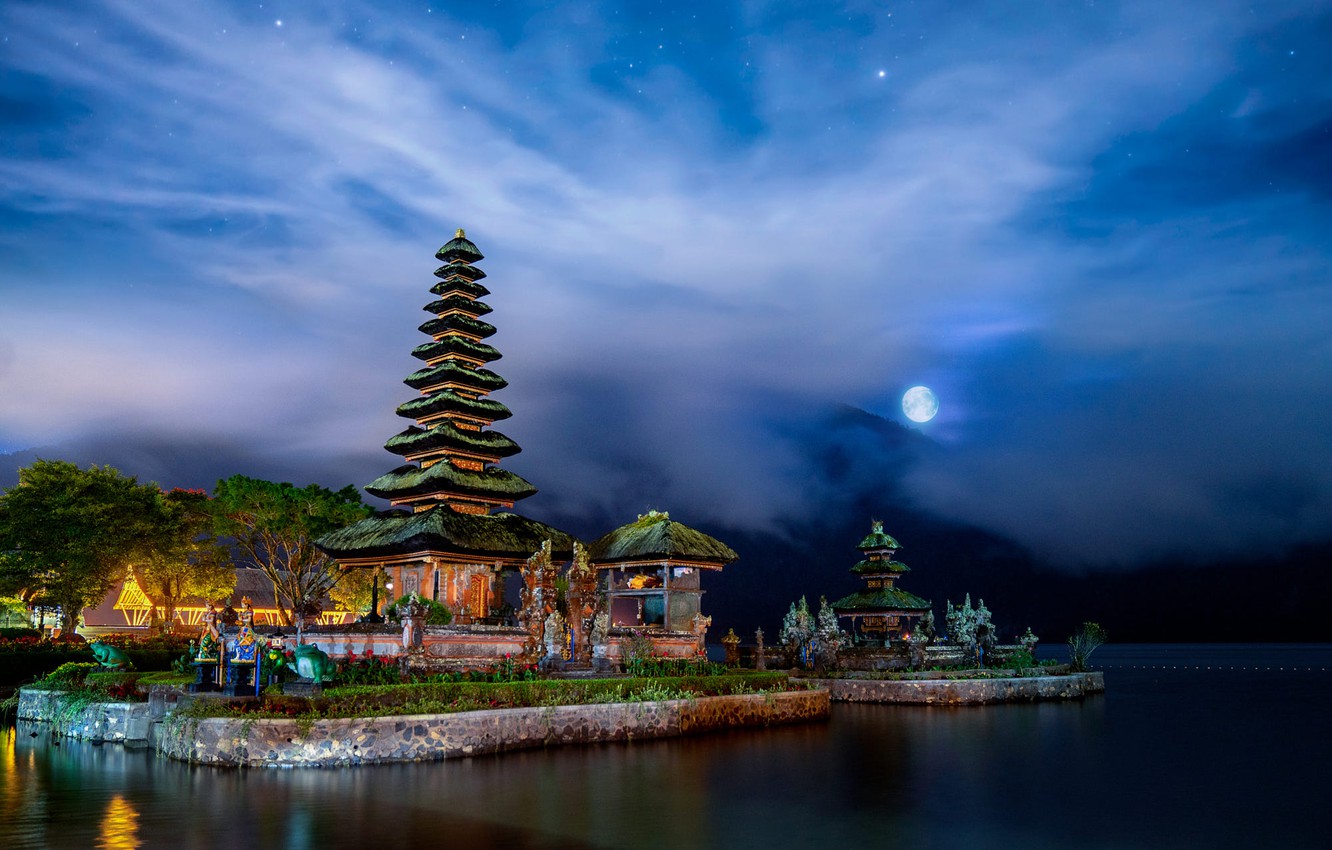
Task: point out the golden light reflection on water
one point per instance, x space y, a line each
14 795
120 826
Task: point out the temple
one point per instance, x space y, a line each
880 612
450 535
652 569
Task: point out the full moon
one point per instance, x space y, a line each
920 404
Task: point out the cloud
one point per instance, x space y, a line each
213 224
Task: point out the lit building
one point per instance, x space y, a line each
450 534
881 611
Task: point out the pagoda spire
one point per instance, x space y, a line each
451 451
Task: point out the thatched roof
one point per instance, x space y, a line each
871 567
877 539
458 269
446 435
458 302
459 248
482 380
655 536
441 529
460 323
445 478
447 401
884 600
456 345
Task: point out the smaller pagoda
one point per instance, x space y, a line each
652 569
880 612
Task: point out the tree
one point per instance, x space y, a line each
355 589
186 558
1083 644
275 527
67 535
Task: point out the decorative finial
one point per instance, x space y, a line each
460 234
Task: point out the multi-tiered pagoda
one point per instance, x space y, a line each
881 611
447 538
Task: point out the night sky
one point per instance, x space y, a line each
714 232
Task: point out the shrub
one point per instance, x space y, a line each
369 669
1083 644
71 674
447 697
436 614
652 667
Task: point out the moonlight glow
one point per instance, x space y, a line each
920 404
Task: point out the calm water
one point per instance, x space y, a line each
1193 746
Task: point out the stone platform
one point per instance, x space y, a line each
936 691
248 742
430 737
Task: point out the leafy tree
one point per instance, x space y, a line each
67 535
355 589
186 559
1083 644
275 527
13 612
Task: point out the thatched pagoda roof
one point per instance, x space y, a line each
445 478
655 536
441 529
883 600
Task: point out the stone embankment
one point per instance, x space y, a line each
963 691
332 743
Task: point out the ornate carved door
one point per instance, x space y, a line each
478 594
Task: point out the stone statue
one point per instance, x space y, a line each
413 619
537 599
916 649
760 662
109 656
314 664
600 634
700 625
732 644
554 636
925 628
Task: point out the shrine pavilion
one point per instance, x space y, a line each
450 533
880 612
652 569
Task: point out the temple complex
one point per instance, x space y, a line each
450 535
652 569
880 612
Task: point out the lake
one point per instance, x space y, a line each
1192 746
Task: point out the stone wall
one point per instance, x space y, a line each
477 646
331 743
120 722
963 691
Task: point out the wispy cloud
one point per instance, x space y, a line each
216 222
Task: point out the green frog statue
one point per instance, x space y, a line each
109 656
313 663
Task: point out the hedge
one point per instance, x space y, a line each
20 668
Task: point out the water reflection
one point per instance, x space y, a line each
120 826
1160 761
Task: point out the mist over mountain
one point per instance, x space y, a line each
854 464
